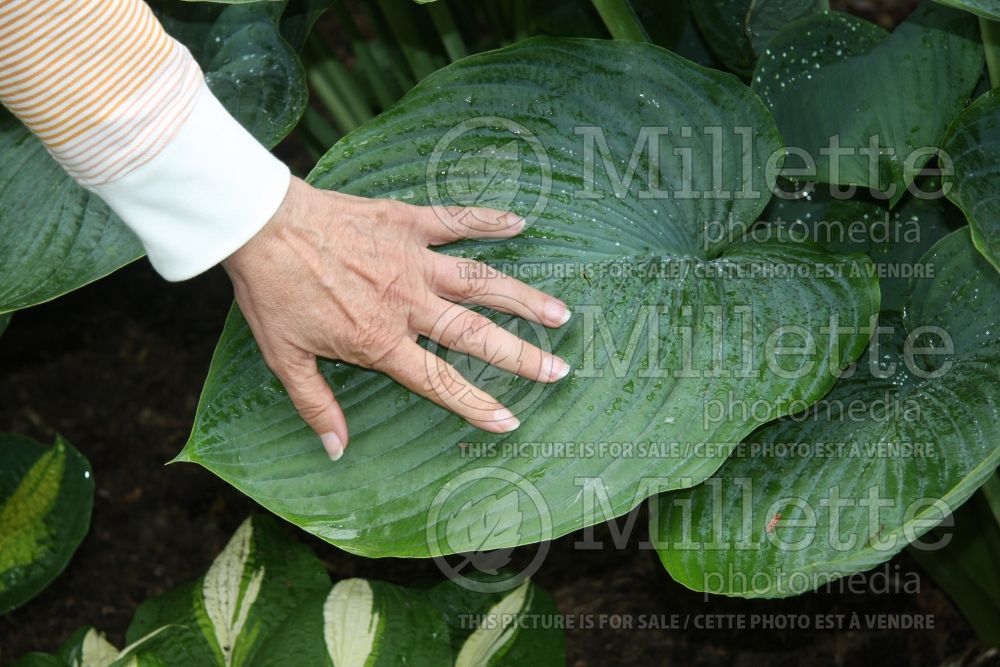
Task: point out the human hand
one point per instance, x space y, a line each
349 278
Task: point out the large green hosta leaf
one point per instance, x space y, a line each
54 236
833 75
986 8
766 17
895 240
249 66
723 25
45 499
737 31
973 144
879 461
629 266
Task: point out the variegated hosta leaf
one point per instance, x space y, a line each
487 644
252 586
87 647
96 650
360 623
45 498
833 82
885 456
351 623
364 623
168 646
295 618
973 145
54 236
629 264
230 589
534 641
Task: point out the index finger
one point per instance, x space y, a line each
427 374
445 224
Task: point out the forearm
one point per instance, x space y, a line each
124 108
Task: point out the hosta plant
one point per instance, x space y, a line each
644 255
267 601
45 498
673 207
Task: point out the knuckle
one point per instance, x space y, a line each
475 331
311 407
372 345
286 369
395 290
478 284
388 212
443 380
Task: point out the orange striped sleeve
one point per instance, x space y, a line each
98 81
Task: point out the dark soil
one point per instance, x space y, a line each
116 368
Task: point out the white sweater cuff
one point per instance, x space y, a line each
207 192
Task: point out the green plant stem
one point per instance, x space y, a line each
496 23
450 35
318 130
384 89
384 49
990 31
335 87
621 20
966 568
401 17
522 19
991 495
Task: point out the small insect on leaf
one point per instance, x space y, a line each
773 523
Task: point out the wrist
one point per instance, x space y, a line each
255 249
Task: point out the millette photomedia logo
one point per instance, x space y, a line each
488 162
471 517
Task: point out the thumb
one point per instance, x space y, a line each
313 398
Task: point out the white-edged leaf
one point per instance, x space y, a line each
350 623
227 601
96 651
497 632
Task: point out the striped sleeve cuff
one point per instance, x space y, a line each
208 191
124 109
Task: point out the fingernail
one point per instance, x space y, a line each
505 420
558 370
334 447
556 312
515 223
